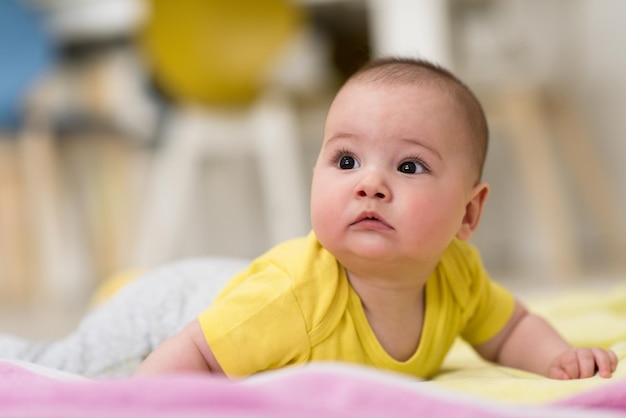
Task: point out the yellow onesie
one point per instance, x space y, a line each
294 304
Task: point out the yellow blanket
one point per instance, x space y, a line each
584 317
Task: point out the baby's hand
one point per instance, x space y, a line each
579 363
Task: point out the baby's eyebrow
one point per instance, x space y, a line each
341 135
422 144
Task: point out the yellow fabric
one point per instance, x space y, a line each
295 304
216 52
585 317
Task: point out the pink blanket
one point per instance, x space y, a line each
322 390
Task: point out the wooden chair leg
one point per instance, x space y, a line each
15 273
524 115
590 175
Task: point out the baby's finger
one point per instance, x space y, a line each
614 360
587 362
570 364
605 360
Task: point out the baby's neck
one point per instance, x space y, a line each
399 276
395 313
388 295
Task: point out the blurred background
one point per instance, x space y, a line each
136 132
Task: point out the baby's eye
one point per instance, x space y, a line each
348 162
412 167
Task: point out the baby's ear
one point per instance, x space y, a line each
473 211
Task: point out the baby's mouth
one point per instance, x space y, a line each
371 221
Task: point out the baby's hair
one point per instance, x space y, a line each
419 71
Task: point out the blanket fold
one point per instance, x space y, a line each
322 389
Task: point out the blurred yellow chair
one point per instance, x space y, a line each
216 52
214 58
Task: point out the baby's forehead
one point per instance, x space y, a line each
399 95
401 108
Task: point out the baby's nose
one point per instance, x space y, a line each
364 193
373 185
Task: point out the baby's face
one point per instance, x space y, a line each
394 174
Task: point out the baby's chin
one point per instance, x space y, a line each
367 256
384 259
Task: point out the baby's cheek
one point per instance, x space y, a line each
433 225
322 219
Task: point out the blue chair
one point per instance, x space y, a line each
26 52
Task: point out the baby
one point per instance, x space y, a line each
387 277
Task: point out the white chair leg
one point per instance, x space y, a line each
61 269
193 135
276 135
169 195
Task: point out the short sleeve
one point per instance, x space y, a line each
491 315
256 325
489 307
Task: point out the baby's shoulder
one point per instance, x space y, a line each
460 271
461 257
301 259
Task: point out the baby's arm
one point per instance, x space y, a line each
528 342
186 351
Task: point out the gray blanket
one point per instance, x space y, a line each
113 339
